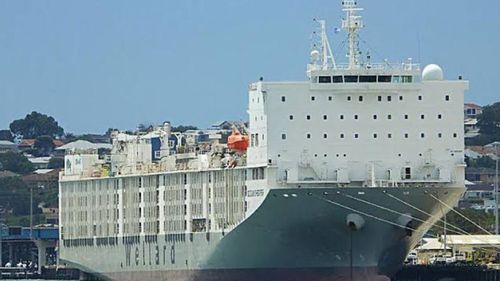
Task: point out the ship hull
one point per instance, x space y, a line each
296 234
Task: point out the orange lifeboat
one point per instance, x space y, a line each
236 141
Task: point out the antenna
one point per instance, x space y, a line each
326 50
325 45
352 24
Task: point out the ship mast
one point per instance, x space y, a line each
352 24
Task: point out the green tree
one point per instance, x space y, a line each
16 163
489 120
44 145
36 124
6 135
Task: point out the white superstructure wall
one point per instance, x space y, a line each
359 131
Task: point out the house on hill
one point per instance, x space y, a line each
7 146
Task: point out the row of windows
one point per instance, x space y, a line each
361 98
363 79
375 116
375 135
345 155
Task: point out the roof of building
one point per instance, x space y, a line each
84 145
7 143
431 244
472 105
42 171
27 142
40 160
480 187
473 239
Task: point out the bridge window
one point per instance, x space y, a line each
367 79
407 79
384 78
337 79
325 79
351 78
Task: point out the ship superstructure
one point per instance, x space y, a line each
330 186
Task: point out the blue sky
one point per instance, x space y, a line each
97 64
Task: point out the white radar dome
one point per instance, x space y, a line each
432 72
315 55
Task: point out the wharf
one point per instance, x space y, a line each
447 272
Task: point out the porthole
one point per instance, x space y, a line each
341 136
406 116
330 98
325 117
379 98
389 98
406 135
455 135
440 135
325 136
356 136
313 98
440 116
389 136
348 98
389 116
308 117
422 135
422 116
308 136
401 98
374 136
341 117
291 117
419 97
375 117
360 98
447 98
283 98
355 117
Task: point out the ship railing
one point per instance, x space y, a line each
403 67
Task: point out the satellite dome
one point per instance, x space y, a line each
315 55
432 72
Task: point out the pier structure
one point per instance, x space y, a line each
19 242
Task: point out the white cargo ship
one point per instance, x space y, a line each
342 175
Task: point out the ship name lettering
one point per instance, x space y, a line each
157 255
136 256
172 254
128 253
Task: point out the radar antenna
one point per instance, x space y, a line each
325 46
352 24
